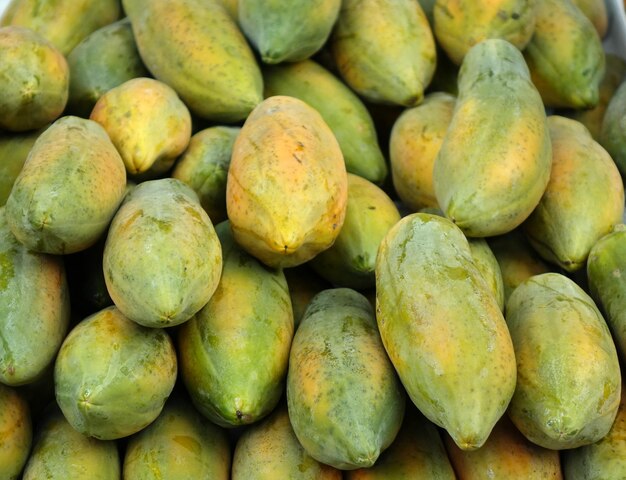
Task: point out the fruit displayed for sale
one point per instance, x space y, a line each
595 11
15 433
613 133
14 148
488 266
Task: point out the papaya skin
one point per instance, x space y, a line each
16 433
14 149
613 133
595 11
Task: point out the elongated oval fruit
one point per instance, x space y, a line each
230 381
60 452
196 48
162 259
384 50
584 198
486 262
569 380
14 149
270 450
180 443
613 133
113 376
345 401
443 329
287 186
16 433
68 190
494 163
34 309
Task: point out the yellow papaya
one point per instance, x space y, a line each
16 433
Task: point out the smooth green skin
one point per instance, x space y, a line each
442 328
34 80
34 309
486 262
64 23
196 47
341 109
112 376
180 443
61 453
565 56
68 190
228 379
204 167
603 460
494 163
568 385
102 61
269 25
583 200
162 259
344 399
16 433
14 149
385 51
613 133
270 450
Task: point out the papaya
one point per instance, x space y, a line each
60 453
204 167
385 51
228 380
415 140
68 190
180 443
14 148
461 24
443 329
269 25
569 381
270 450
351 260
34 327
341 109
303 284
196 48
565 56
429 6
16 433
180 258
287 186
583 200
344 399
112 376
104 60
232 7
34 80
487 264
595 11
494 162
613 133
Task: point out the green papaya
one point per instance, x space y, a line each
568 387
442 328
250 312
494 163
344 399
112 376
613 132
487 264
14 149
16 433
195 47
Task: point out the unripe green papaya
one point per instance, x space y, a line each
228 379
340 108
569 381
14 149
34 80
34 309
196 48
415 140
351 260
384 50
112 376
162 259
180 443
565 56
345 401
595 11
16 433
270 450
204 167
287 186
494 163
486 262
613 133
105 59
61 453
443 329
303 285
68 190
461 24
269 24
583 200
